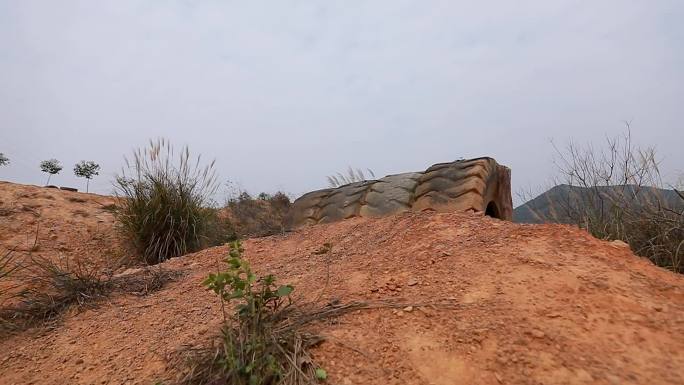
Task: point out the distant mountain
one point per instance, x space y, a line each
554 204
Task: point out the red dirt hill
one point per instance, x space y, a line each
528 304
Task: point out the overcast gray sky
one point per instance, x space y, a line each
283 93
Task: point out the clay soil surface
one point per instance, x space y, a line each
50 223
518 304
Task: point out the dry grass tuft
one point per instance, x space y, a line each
48 288
38 291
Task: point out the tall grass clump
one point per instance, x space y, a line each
165 201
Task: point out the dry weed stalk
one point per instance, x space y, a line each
616 192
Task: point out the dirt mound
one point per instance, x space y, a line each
52 222
525 304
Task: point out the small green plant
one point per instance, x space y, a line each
4 161
259 343
51 167
238 282
86 170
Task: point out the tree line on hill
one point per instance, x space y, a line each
83 169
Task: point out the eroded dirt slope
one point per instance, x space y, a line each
52 223
529 304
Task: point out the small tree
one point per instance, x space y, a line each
86 170
52 167
4 161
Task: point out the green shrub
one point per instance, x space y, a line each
164 208
258 217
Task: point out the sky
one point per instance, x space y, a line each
282 94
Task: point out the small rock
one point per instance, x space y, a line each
618 243
412 282
408 309
79 361
658 308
